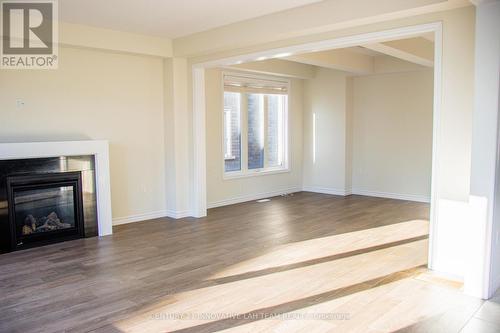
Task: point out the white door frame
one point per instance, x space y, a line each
199 198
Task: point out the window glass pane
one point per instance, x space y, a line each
275 128
232 132
255 131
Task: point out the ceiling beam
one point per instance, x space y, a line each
278 67
388 65
341 59
299 24
416 50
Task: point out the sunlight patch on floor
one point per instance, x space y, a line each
328 246
273 290
398 305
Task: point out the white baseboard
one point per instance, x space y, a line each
177 214
150 216
398 196
139 217
326 190
344 192
251 197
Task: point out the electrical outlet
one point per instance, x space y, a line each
19 103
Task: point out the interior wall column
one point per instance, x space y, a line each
482 276
176 118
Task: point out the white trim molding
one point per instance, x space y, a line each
252 197
390 195
139 217
314 189
100 151
176 214
151 216
324 45
378 194
198 203
326 190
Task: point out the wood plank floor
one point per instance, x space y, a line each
307 262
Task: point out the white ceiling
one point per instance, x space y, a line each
168 18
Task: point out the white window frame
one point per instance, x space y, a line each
245 172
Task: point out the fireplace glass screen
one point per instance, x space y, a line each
44 209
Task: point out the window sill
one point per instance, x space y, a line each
249 173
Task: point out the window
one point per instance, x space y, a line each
232 132
255 125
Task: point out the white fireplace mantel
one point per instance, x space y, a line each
98 148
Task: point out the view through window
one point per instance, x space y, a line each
255 124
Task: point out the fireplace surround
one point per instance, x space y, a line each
46 200
53 191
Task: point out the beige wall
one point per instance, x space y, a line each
223 191
325 142
97 95
392 134
372 134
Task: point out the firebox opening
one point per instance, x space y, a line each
45 208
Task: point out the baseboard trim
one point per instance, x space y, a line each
150 216
326 190
397 196
139 217
388 195
177 214
245 198
252 197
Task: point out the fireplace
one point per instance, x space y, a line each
45 208
47 200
